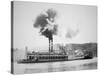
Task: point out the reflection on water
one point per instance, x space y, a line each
55 66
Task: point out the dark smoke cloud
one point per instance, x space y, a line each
41 23
51 13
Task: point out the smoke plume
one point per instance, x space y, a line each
40 21
45 28
71 33
48 30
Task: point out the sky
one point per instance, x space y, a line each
69 17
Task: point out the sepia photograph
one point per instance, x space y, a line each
53 37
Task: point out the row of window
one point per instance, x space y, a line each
51 57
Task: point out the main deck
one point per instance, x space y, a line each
41 57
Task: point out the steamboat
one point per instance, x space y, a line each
39 57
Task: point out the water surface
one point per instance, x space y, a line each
55 66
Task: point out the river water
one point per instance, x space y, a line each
55 66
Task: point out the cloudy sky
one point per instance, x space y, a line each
75 18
